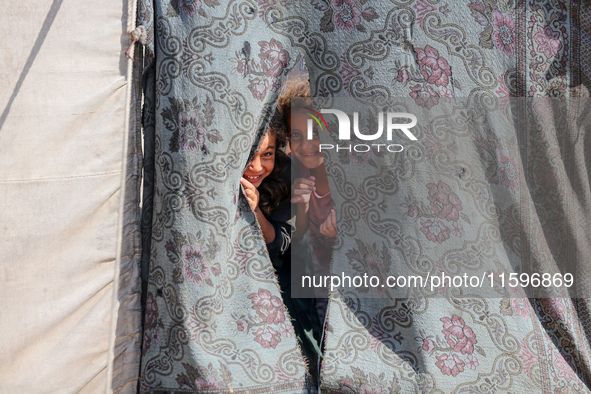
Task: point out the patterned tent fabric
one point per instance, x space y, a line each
214 315
214 320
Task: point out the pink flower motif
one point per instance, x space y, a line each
444 202
413 211
435 231
270 308
367 389
457 229
402 76
346 383
471 362
548 41
189 7
285 330
459 336
565 371
262 299
554 306
267 337
434 68
192 135
275 84
428 345
504 33
424 98
520 307
259 88
346 14
195 267
450 365
508 170
151 318
273 57
446 93
243 325
210 384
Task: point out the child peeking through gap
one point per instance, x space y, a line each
266 190
315 215
266 182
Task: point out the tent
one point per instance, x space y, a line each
70 142
208 80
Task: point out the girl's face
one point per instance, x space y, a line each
263 162
306 151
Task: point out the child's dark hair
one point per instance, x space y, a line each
273 189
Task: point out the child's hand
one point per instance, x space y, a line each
301 190
252 194
329 227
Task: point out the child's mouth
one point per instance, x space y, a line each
253 178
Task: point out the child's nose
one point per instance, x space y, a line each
255 165
306 143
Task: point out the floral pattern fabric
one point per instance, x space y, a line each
214 316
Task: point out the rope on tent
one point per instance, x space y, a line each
137 34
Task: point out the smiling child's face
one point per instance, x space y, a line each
306 151
263 162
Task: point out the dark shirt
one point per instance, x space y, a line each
302 311
281 219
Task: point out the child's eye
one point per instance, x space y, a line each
268 154
295 135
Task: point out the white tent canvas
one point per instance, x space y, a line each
67 154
